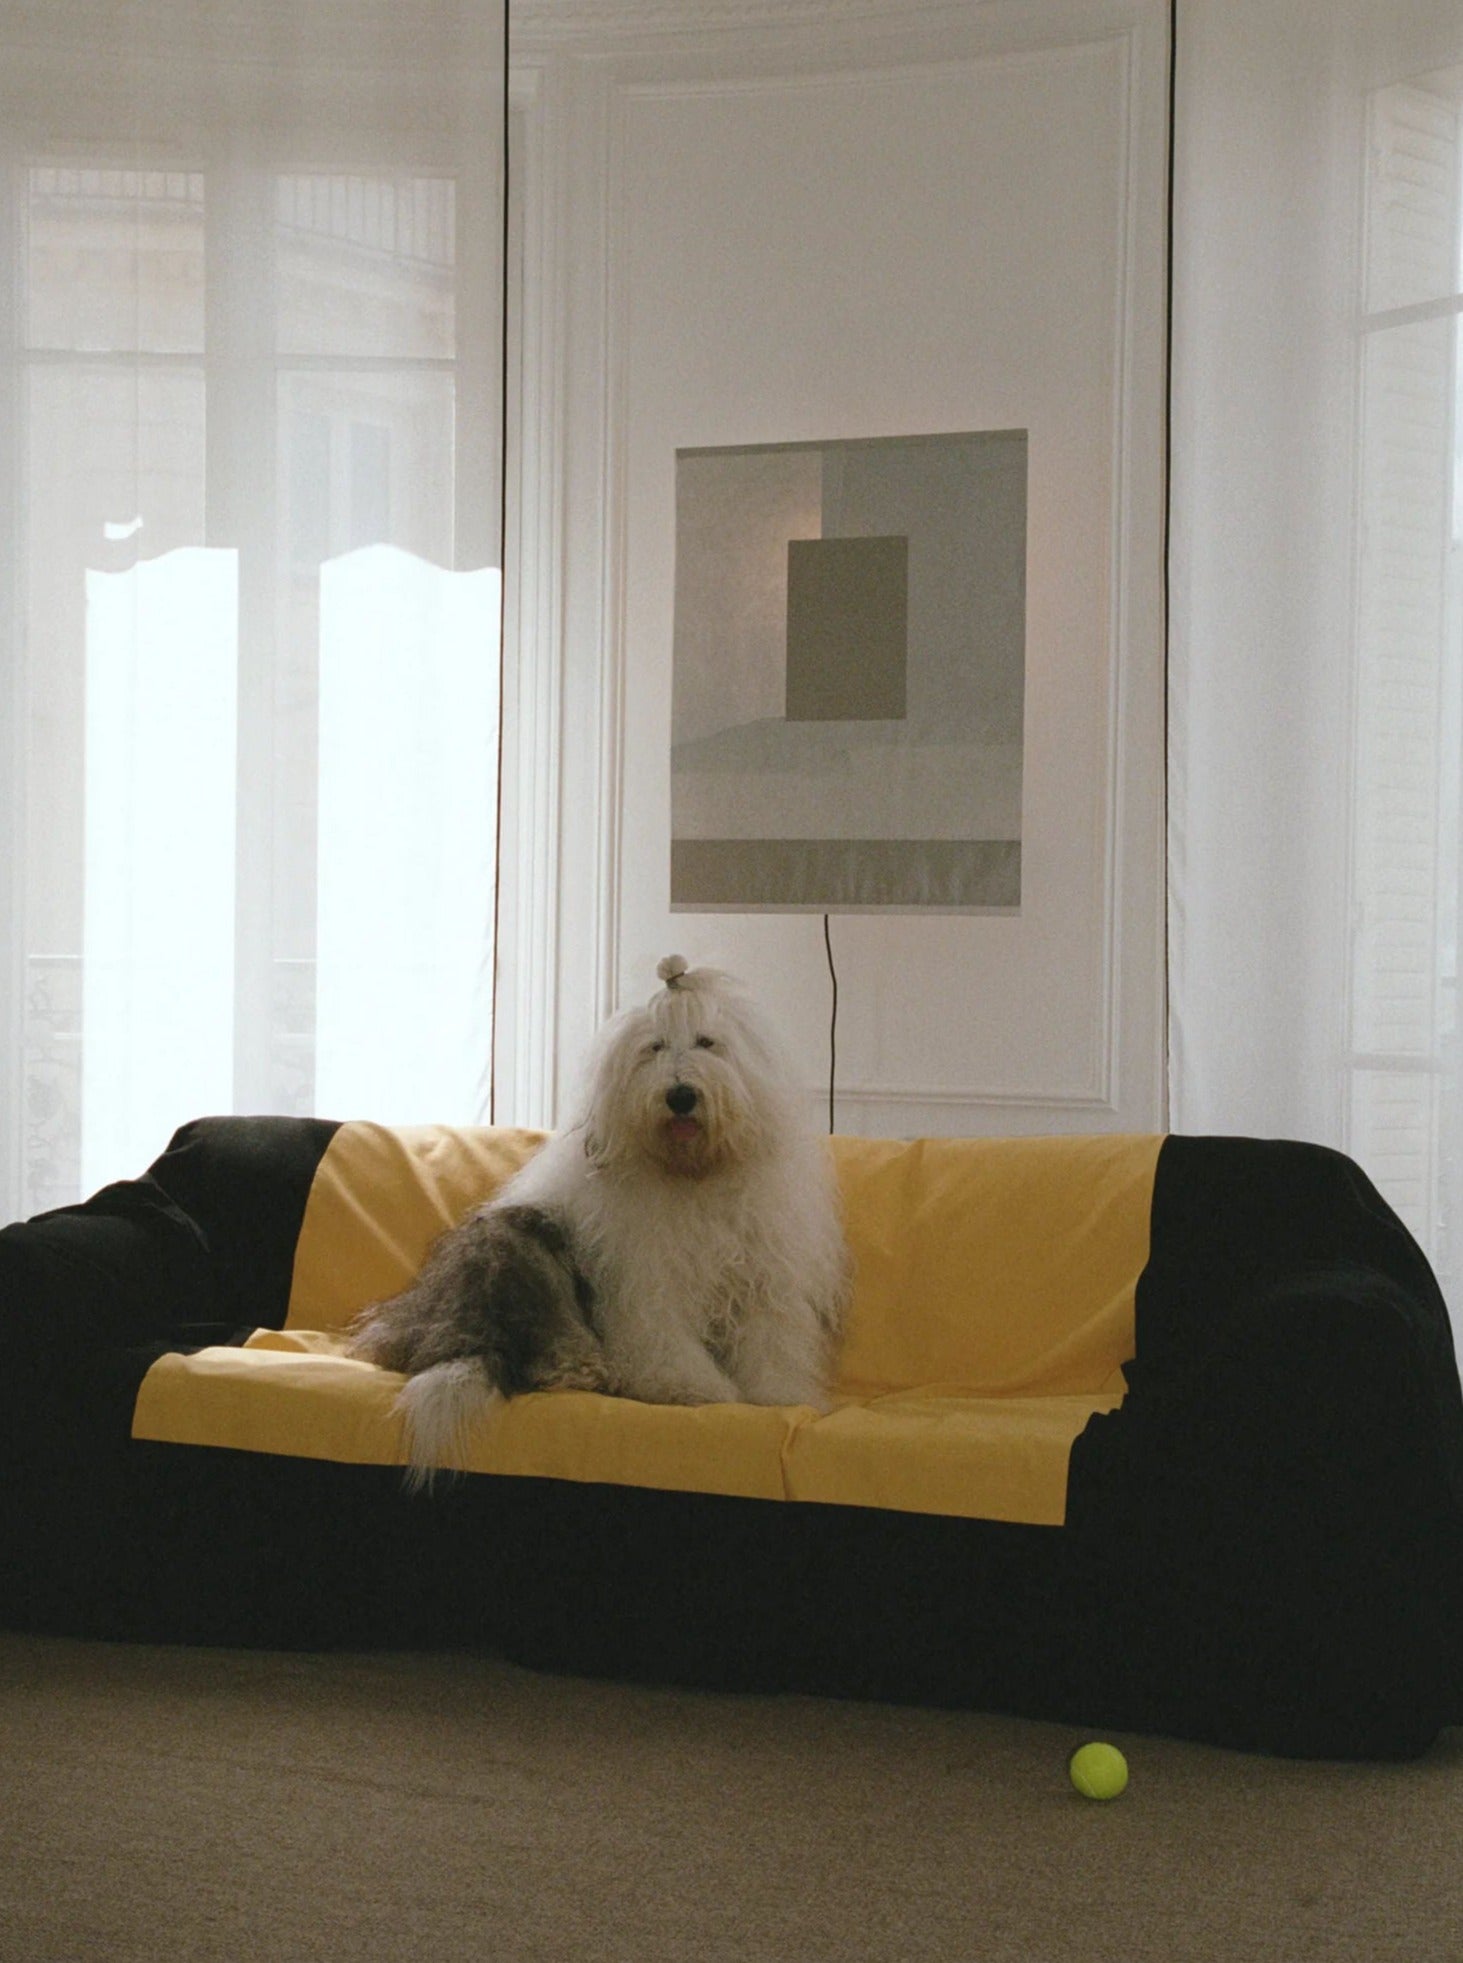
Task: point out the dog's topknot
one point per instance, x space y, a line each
683 981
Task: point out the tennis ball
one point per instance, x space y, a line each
1098 1771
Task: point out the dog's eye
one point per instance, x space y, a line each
705 1043
655 1048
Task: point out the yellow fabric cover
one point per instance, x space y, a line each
993 1310
296 1392
379 1198
1003 1266
990 1458
289 1391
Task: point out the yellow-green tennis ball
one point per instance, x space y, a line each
1098 1771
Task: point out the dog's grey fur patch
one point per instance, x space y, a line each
505 1288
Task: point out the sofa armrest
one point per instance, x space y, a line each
1280 1495
197 1250
1285 1316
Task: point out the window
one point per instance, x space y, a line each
253 651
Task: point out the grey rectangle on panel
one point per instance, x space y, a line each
847 629
915 874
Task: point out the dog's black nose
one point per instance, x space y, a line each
682 1100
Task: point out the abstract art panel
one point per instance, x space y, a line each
849 675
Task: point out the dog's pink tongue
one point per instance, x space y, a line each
683 1130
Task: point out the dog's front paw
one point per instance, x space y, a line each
789 1392
585 1373
673 1390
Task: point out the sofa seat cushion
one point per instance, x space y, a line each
296 1393
986 1458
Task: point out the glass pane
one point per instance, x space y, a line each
114 260
385 726
114 475
1404 1122
365 459
366 265
1406 570
1414 204
407 820
160 853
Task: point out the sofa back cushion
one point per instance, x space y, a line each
381 1195
997 1266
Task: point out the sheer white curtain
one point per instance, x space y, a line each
1316 732
250 296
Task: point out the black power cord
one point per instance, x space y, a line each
832 1020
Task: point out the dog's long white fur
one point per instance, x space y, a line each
719 1266
440 1407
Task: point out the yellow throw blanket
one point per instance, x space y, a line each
993 1311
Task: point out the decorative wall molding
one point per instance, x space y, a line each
1090 1093
912 1115
588 94
249 30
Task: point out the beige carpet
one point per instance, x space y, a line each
166 1803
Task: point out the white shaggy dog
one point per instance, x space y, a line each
680 1244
